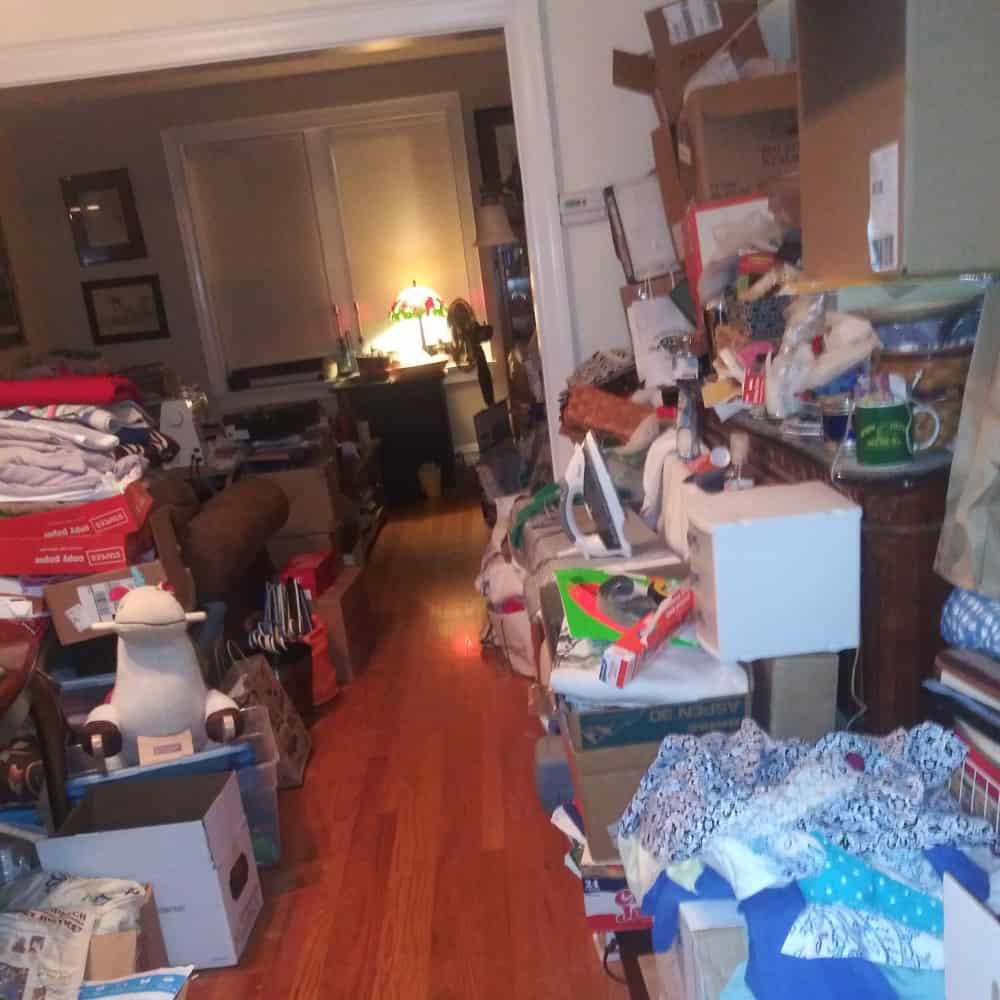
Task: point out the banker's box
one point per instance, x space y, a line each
188 839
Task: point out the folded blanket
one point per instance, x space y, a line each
100 390
100 418
30 432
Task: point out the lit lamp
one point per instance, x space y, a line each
426 307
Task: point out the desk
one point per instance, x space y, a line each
901 597
411 420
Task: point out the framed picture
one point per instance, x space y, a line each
122 310
11 331
103 217
497 144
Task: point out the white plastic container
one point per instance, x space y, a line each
776 571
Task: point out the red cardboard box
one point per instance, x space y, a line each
609 905
121 515
76 539
35 557
316 571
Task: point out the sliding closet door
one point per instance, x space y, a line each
260 249
403 191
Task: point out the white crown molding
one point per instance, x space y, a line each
247 38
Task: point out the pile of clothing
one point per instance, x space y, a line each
75 438
836 852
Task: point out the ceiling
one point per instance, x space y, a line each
390 50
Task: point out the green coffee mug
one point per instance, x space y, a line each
885 433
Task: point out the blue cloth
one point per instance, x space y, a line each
663 901
950 860
911 984
971 621
773 976
847 879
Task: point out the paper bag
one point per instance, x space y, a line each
251 681
969 549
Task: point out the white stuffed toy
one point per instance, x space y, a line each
159 689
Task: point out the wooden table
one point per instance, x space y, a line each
901 596
411 420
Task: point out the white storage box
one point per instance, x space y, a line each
713 941
776 571
186 837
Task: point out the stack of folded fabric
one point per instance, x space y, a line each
74 438
835 852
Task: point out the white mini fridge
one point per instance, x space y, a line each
776 571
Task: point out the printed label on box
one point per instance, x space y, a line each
883 208
162 749
691 19
609 905
98 602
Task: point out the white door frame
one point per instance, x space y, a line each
350 23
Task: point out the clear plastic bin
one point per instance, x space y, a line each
258 781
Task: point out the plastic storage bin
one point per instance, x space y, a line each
254 758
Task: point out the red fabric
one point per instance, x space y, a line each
99 390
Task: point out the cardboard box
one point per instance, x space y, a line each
605 782
633 71
76 604
186 837
675 201
346 612
314 506
118 515
687 34
122 953
737 138
795 697
899 138
609 905
603 728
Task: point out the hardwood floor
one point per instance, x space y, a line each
417 862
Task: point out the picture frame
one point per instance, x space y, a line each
497 144
103 217
11 326
125 310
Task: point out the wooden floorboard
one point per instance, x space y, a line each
416 861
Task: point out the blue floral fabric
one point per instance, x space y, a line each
971 621
868 795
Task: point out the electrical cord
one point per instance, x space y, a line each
862 707
607 971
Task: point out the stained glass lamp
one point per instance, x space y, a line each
423 305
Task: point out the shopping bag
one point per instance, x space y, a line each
251 681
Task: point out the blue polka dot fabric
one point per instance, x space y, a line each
971 621
846 879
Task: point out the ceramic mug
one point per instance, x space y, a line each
885 433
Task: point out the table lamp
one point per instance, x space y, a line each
492 225
424 305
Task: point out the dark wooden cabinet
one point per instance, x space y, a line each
410 419
901 596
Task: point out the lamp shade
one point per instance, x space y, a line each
416 302
493 227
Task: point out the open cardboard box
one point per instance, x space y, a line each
737 138
687 34
188 838
93 593
122 953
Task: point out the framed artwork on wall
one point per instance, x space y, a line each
497 144
103 217
123 310
11 330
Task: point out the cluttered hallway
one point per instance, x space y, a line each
416 861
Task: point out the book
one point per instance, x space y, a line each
972 674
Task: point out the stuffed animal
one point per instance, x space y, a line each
159 689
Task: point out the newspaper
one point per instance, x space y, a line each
43 954
160 984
